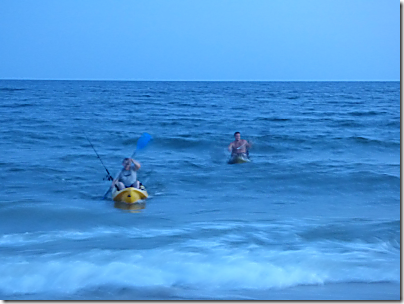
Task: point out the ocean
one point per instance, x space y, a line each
315 215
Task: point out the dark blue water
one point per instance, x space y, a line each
313 216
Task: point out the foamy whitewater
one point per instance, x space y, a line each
315 215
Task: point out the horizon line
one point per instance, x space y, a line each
164 80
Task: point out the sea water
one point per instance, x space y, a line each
315 215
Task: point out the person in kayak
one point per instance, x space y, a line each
239 147
128 176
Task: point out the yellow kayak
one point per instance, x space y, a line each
129 195
239 159
132 208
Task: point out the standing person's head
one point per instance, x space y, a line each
126 163
237 135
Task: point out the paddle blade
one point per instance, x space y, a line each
143 141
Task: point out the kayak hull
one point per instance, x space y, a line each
239 159
129 195
132 208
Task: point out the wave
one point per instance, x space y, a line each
394 124
371 141
346 123
347 96
376 179
274 119
222 269
363 113
11 89
358 234
201 256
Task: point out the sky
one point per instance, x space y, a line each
207 40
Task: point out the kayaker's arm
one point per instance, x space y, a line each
230 147
114 182
137 165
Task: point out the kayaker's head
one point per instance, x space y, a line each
126 163
237 136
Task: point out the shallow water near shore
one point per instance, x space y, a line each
315 215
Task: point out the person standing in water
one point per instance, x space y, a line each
239 147
128 176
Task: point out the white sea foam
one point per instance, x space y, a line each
211 267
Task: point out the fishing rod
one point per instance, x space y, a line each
108 174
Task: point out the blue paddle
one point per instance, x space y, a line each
141 144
